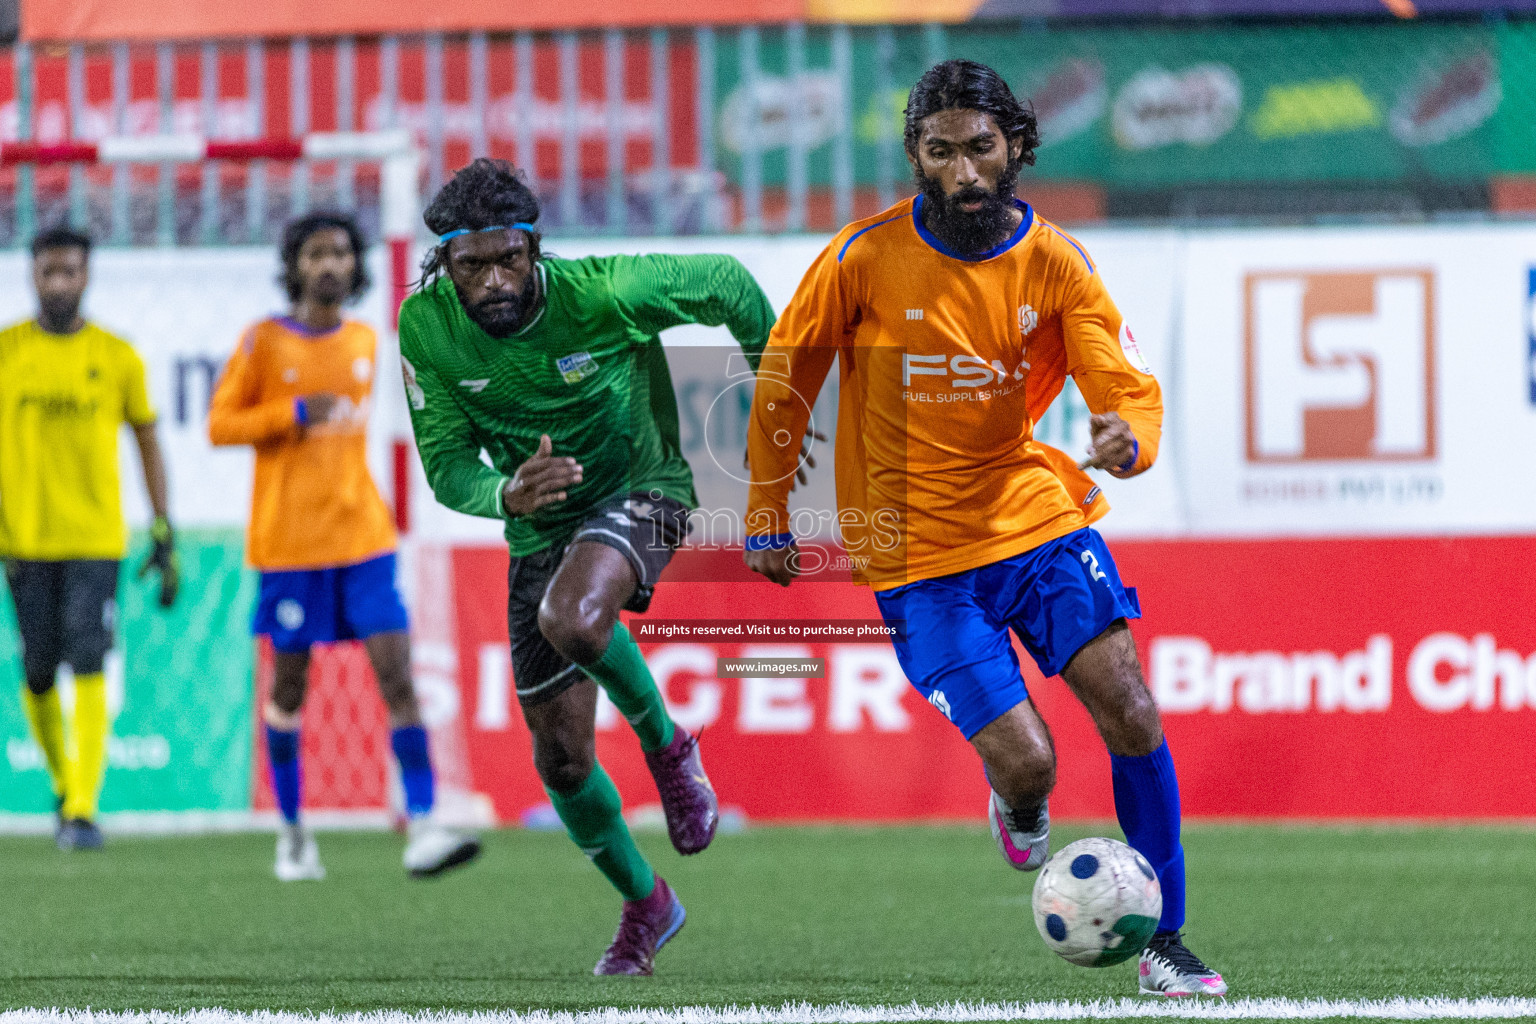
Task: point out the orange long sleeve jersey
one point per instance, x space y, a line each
314 503
945 365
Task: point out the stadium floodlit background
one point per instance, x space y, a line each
1316 217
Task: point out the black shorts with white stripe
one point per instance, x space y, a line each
645 530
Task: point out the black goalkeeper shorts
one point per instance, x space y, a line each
645 530
66 613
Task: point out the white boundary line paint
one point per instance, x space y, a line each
1489 1008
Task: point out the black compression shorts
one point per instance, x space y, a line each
645 530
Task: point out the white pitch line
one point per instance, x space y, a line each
845 1013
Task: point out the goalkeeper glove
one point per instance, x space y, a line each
163 559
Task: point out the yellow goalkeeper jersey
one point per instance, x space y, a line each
63 398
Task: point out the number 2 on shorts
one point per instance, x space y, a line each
1092 561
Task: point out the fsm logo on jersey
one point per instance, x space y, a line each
1340 365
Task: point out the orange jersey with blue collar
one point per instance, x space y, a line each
945 365
314 503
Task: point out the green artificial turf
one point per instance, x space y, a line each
868 915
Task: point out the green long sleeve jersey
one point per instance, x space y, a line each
589 371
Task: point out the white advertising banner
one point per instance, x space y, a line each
712 416
184 311
1358 381
1317 381
1141 269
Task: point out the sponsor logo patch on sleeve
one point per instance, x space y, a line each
413 392
1132 350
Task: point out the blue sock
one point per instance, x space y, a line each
283 756
410 746
1147 804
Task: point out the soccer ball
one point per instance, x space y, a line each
1097 902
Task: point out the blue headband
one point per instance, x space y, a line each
450 236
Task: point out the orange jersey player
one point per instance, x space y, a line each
314 503
299 389
955 317
949 363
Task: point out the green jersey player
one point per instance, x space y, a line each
554 370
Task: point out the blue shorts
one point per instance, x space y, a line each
954 643
302 607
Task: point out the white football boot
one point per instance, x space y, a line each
431 849
1024 839
1168 968
298 858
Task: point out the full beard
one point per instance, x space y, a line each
328 290
57 314
505 320
965 231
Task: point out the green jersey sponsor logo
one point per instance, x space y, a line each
576 367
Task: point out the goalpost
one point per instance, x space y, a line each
183 308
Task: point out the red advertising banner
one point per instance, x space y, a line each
79 20
1298 679
83 20
859 743
1344 678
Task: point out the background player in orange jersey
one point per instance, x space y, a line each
299 388
955 317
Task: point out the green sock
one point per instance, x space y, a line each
593 820
622 672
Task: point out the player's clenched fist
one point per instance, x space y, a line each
781 565
540 481
318 408
1113 446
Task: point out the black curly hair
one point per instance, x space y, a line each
969 85
299 230
61 236
485 194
